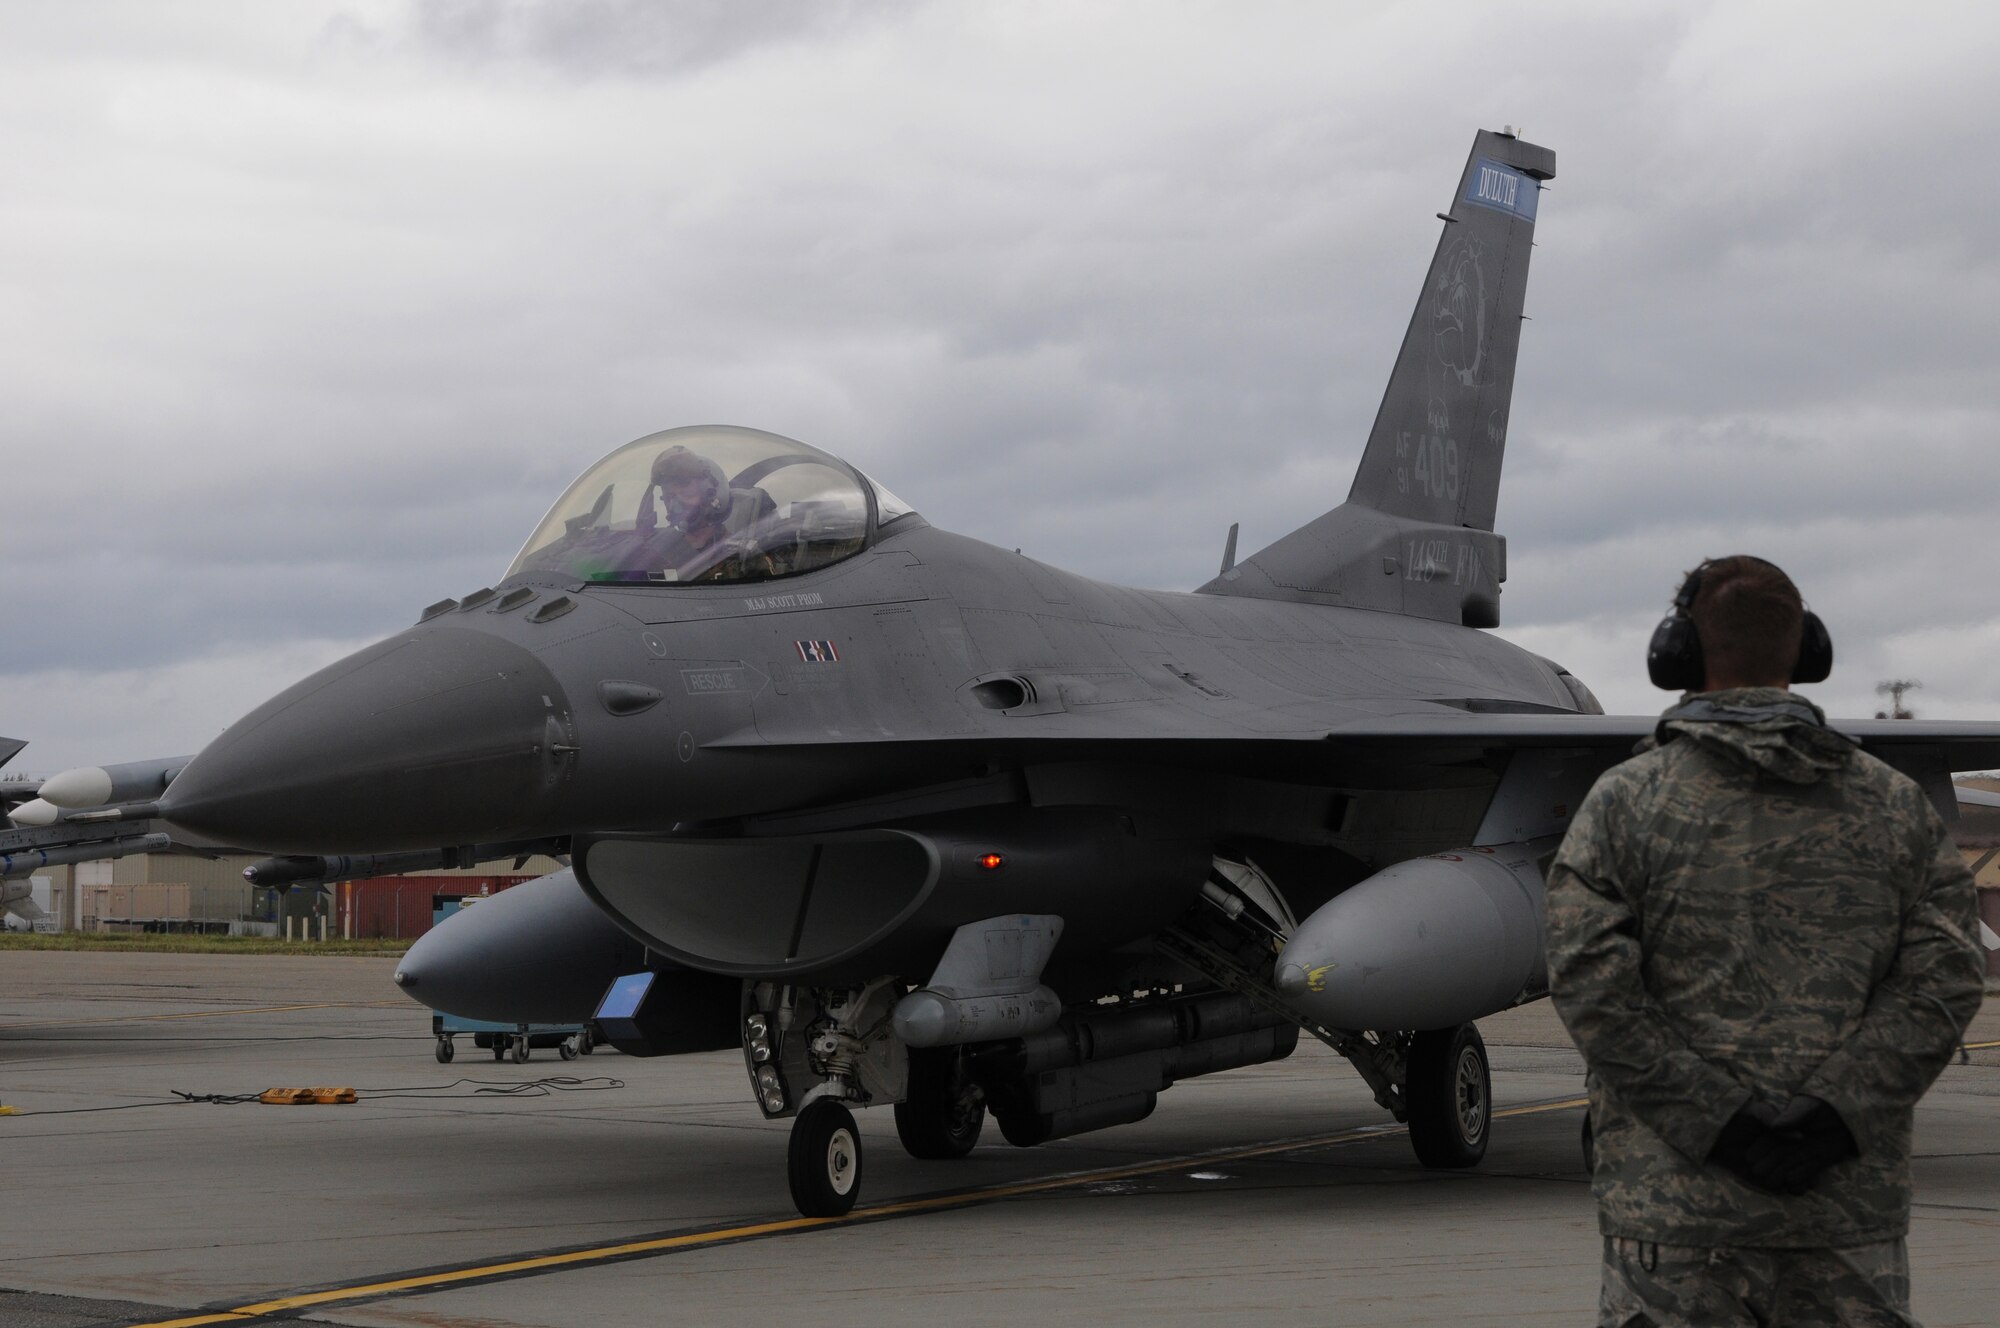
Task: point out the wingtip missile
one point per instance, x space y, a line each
84 786
98 785
36 812
41 812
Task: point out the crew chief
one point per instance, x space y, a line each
1764 945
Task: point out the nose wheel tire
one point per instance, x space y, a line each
445 1051
1449 1096
941 1116
520 1048
824 1159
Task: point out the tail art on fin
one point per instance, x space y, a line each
1415 535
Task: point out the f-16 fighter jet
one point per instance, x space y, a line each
918 821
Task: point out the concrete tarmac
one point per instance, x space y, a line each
652 1192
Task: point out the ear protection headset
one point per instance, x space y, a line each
1674 659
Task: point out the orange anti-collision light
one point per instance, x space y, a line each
991 861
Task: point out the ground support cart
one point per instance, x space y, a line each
571 1040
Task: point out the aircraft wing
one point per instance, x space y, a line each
1959 744
1439 734
1928 751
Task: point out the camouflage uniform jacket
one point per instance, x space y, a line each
1749 908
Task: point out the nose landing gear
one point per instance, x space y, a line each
823 1161
830 1049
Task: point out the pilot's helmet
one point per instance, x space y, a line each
678 467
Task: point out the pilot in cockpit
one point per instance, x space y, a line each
705 513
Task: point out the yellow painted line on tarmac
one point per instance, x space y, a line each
1981 1046
541 1263
195 1014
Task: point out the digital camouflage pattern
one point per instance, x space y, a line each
1681 1286
1750 908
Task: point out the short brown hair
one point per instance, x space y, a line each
1748 614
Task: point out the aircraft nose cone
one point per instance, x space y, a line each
437 736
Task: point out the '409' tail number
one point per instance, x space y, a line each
1434 465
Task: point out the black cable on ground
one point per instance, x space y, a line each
548 1087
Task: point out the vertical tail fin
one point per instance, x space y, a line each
1416 532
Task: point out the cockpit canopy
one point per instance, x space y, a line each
708 504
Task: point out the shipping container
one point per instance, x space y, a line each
399 907
168 905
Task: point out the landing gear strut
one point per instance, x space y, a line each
1449 1095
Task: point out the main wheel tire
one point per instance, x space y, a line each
520 1048
1449 1096
568 1048
499 1050
943 1111
824 1159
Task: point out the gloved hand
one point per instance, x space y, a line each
1807 1137
1744 1130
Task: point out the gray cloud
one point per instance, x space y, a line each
587 38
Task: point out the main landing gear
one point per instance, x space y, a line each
942 1111
1449 1096
1437 1080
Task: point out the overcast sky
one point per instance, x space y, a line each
308 311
